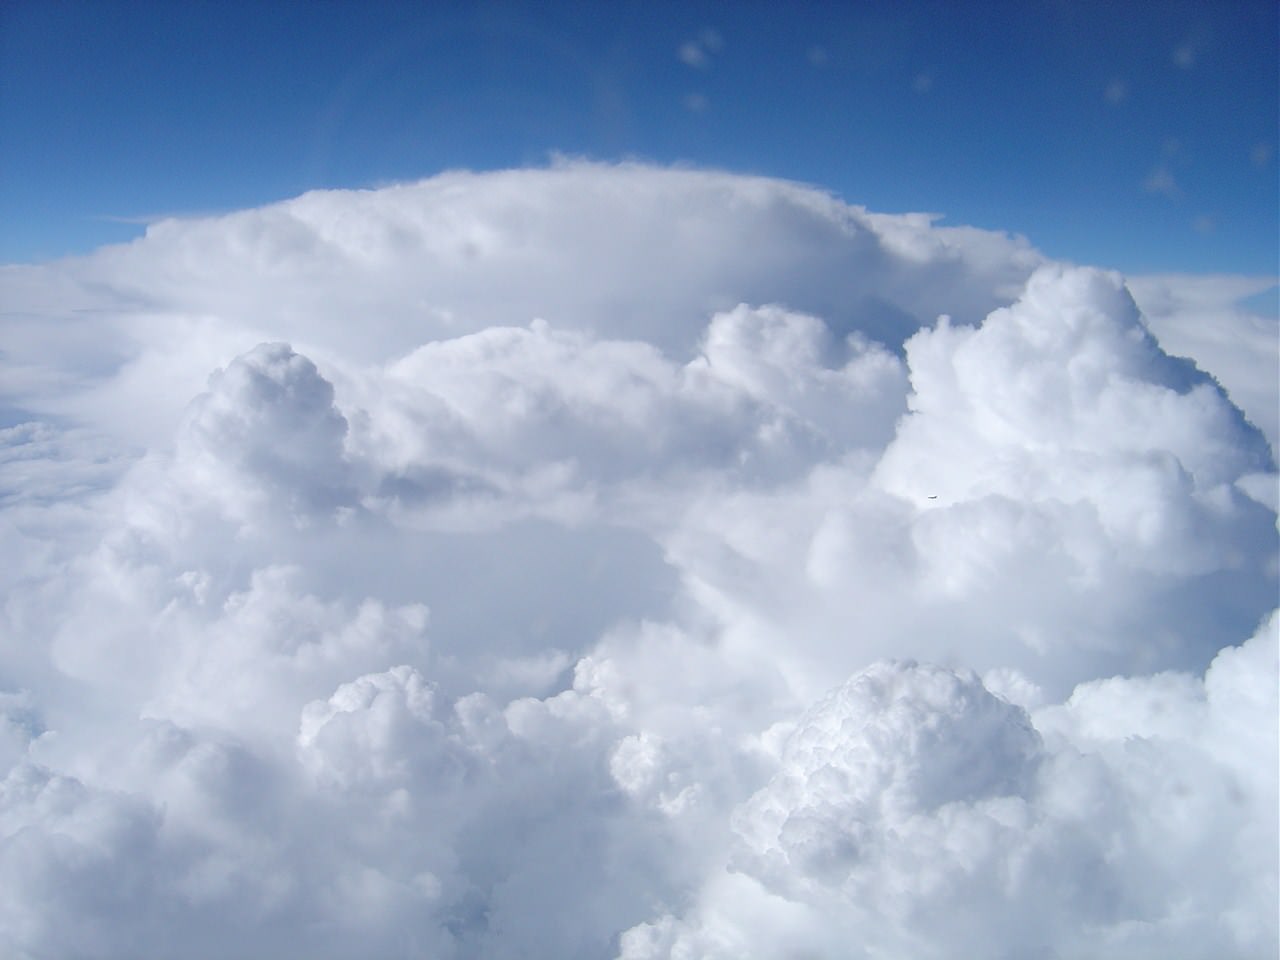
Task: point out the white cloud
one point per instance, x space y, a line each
1117 92
1201 317
691 54
1162 181
696 102
698 52
418 260
911 807
1186 54
267 430
475 574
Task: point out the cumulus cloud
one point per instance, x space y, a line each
911 807
619 561
1202 317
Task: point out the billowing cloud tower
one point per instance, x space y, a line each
612 561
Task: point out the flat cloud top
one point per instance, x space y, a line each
622 561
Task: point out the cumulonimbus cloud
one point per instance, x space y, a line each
620 561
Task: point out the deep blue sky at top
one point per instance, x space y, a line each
1138 135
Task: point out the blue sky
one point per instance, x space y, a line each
1140 136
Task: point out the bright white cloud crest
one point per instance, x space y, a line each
612 561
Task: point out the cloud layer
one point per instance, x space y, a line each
617 561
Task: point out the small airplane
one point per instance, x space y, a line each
933 496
